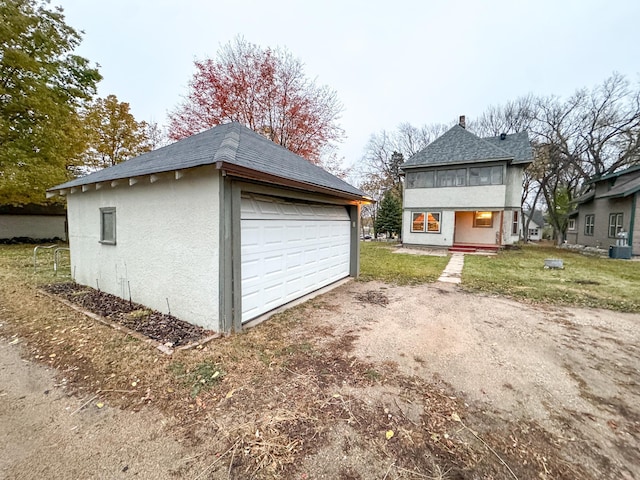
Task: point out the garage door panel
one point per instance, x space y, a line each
289 250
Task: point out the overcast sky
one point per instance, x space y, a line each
389 61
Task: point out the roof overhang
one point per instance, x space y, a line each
250 174
470 163
226 169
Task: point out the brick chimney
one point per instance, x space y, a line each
462 122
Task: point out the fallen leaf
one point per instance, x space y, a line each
53 355
99 404
229 394
13 342
455 417
389 434
216 374
133 384
170 390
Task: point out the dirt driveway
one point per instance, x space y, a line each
565 377
574 371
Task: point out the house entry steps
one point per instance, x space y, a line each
473 248
453 271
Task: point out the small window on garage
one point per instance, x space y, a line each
483 219
108 225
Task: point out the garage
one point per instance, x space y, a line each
218 229
289 249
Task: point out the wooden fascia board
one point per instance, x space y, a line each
249 174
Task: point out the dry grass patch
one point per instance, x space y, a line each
260 403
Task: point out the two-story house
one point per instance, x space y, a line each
464 192
609 207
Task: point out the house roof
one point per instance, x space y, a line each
537 217
458 145
230 146
614 174
516 144
590 195
623 189
33 209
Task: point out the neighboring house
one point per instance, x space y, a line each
33 223
536 225
464 192
609 206
219 228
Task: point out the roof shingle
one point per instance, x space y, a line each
231 143
458 145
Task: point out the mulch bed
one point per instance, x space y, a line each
166 329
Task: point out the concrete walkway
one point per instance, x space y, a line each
453 271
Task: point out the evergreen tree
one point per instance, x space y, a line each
389 218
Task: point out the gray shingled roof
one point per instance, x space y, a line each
231 143
537 216
517 144
458 145
623 189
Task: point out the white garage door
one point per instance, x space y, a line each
288 250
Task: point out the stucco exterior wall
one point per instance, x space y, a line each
167 243
443 239
467 233
513 191
32 226
483 197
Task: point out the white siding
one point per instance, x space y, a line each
32 226
167 243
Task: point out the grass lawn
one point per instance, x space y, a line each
584 281
16 265
378 262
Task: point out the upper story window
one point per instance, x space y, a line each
485 175
452 178
456 177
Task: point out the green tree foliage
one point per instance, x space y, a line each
113 134
389 218
42 86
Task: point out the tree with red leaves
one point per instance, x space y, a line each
267 91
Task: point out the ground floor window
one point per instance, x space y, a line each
514 226
483 219
533 232
615 224
108 225
572 224
428 222
589 220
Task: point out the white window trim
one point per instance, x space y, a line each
426 214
